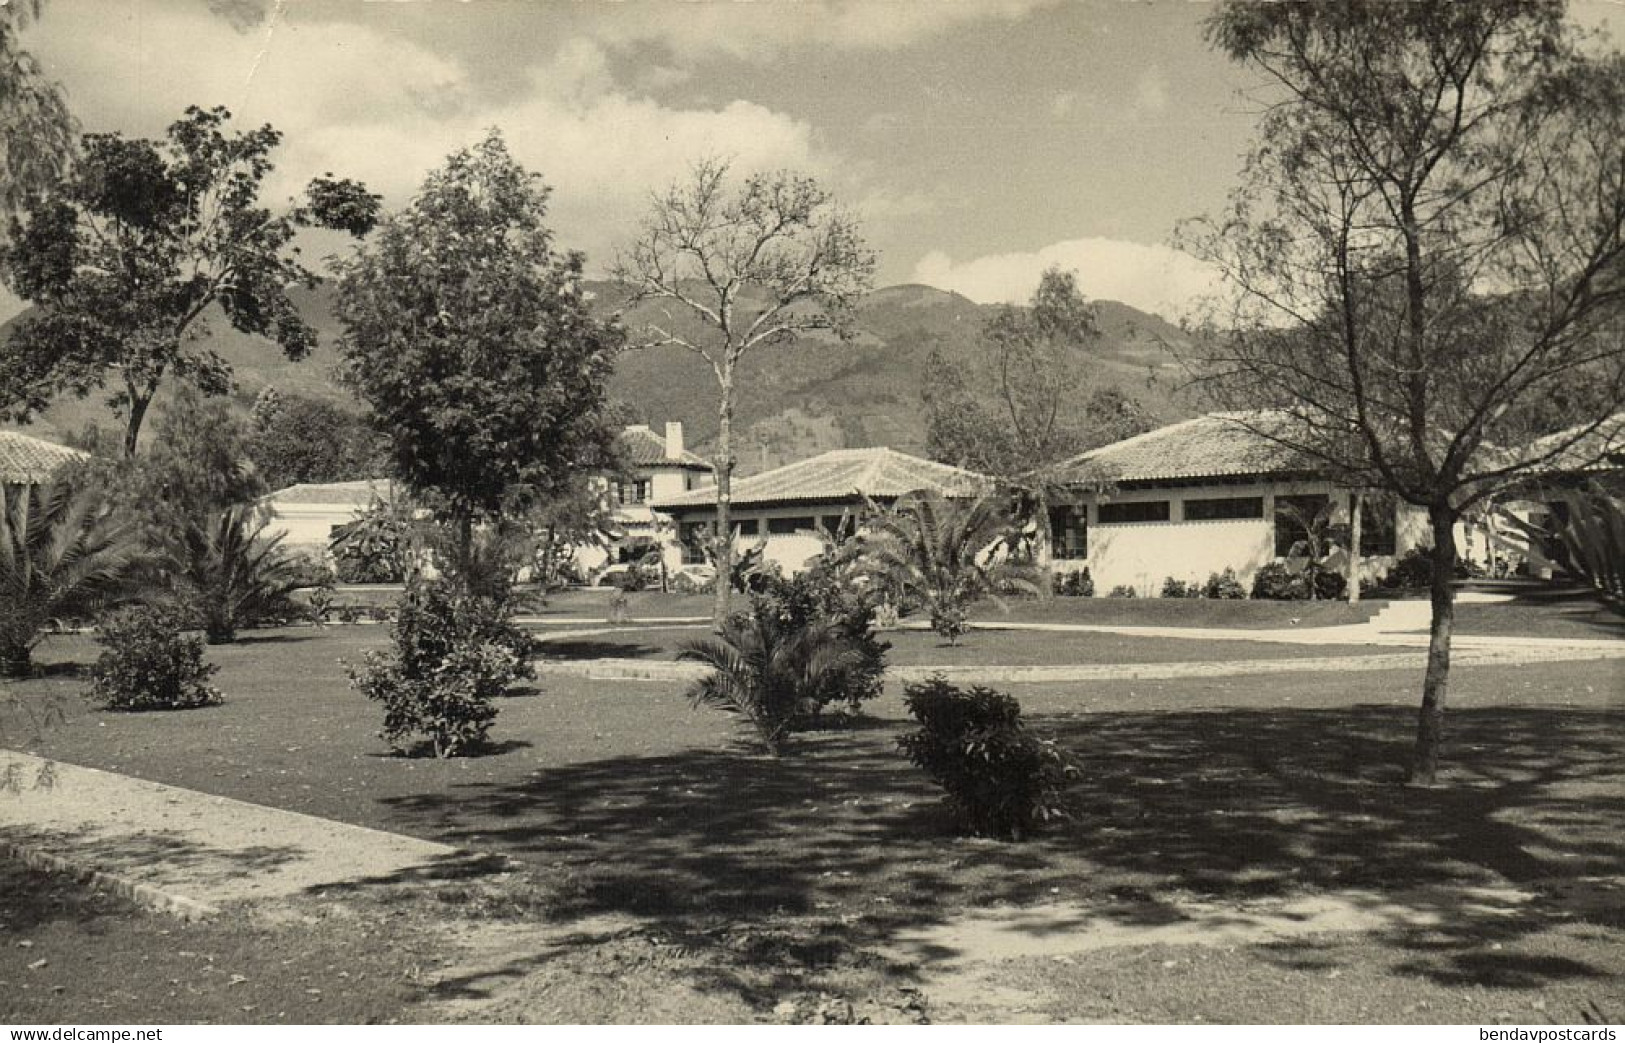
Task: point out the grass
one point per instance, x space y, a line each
621 800
979 647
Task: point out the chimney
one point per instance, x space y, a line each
674 440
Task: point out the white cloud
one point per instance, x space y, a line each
759 31
1152 278
365 104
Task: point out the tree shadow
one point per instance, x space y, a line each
568 649
1224 805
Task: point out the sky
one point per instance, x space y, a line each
977 141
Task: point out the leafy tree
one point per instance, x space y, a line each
473 342
1427 251
747 265
296 438
36 129
63 550
943 555
127 256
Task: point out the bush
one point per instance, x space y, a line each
1277 582
817 596
1178 588
1414 570
1001 779
1077 584
453 654
374 547
1122 590
149 664
1224 586
949 619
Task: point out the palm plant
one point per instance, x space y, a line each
226 574
62 551
944 554
766 672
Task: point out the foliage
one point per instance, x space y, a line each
1178 588
373 547
1413 570
1002 780
36 128
298 439
575 515
942 554
818 597
1224 586
1076 583
1279 581
769 672
148 664
1122 590
750 264
1589 536
1424 255
225 575
63 552
126 255
474 343
452 655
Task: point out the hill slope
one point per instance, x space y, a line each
796 400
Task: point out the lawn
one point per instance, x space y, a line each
622 801
979 647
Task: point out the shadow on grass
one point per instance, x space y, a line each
1229 804
592 648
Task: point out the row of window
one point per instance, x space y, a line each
1300 521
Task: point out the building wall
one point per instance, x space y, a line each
308 525
1140 555
790 550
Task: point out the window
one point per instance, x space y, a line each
1133 513
694 536
1378 533
789 526
627 493
1069 533
1228 508
836 525
747 526
1294 517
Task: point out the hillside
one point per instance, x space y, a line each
798 399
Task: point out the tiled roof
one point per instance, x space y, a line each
25 460
359 494
1219 445
841 475
644 448
1599 450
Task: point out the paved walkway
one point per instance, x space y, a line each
192 853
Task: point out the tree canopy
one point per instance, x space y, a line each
1426 253
125 257
36 128
474 344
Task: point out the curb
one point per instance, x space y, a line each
145 895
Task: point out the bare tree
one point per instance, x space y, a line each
1428 252
727 268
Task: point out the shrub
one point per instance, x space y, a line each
1414 570
818 596
226 575
1077 584
1001 779
1329 584
1122 590
453 653
949 619
1178 588
1224 586
1277 582
374 547
768 672
149 664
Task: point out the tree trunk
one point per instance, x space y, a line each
723 536
1045 549
132 430
1430 722
1356 503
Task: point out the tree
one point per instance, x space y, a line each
36 129
746 266
473 342
296 438
125 259
63 549
1427 251
941 554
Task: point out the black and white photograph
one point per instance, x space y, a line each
812 512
